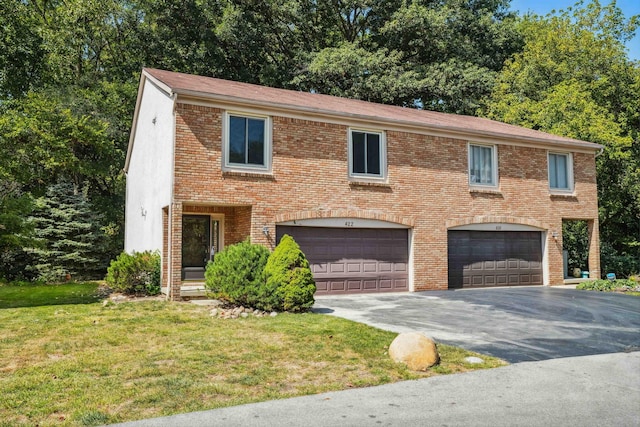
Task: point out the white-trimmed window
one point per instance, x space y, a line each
367 154
247 142
483 165
560 172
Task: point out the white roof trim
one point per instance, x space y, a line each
408 126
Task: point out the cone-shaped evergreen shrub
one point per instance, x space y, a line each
289 282
237 273
67 235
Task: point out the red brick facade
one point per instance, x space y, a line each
427 189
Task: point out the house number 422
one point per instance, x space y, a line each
348 224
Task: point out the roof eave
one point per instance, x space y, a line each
467 133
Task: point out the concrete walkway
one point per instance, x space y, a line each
602 390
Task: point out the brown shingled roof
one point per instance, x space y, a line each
208 87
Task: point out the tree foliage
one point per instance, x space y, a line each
68 241
69 72
573 78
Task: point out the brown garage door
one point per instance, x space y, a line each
488 258
351 260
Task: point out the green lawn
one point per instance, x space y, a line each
29 295
91 364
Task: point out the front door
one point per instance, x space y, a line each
196 245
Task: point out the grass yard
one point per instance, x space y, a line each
29 295
89 364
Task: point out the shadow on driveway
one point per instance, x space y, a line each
515 324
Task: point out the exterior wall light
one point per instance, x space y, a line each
265 230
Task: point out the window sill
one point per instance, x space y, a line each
568 196
359 183
494 191
248 174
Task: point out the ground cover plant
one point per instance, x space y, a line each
92 364
628 286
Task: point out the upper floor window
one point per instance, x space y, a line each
483 165
560 172
367 156
247 142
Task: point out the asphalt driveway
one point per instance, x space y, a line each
516 324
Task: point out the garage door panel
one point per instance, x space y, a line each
336 267
319 268
354 267
322 286
336 285
354 285
481 258
370 267
386 284
400 267
385 267
354 260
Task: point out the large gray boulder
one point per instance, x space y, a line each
417 351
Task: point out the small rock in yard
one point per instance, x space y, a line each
472 359
273 314
214 312
243 315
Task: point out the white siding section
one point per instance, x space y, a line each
149 178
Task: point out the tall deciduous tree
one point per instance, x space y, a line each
574 79
15 207
429 54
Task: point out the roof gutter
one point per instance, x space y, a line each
405 124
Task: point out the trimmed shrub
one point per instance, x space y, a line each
289 282
236 274
135 274
610 285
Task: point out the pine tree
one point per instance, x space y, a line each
70 242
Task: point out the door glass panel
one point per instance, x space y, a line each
195 241
215 238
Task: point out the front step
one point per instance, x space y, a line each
193 290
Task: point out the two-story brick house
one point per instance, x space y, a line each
380 198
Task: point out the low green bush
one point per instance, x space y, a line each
236 274
289 282
135 274
609 285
